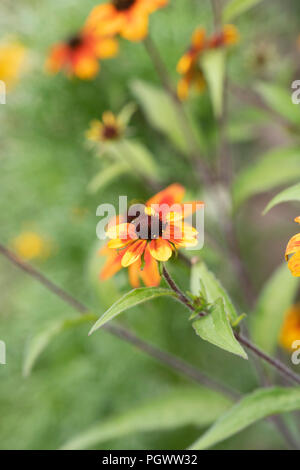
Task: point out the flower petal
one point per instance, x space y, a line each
171 195
133 252
160 249
293 245
150 272
123 231
294 264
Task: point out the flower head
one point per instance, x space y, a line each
148 234
293 248
189 66
109 129
12 55
79 54
129 18
290 330
30 245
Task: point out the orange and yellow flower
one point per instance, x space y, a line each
140 241
290 330
129 18
292 253
80 54
189 66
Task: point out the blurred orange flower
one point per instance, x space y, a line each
189 65
129 18
139 242
80 53
290 330
293 248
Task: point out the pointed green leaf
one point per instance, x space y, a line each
137 157
276 297
162 113
279 99
129 300
259 404
200 275
181 407
40 342
213 64
276 168
235 8
216 329
106 176
287 195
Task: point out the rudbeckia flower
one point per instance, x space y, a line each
293 248
109 129
189 66
129 18
290 330
139 242
79 54
12 55
30 245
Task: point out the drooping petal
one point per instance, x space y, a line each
112 264
293 245
150 273
294 264
134 271
160 249
290 330
133 252
136 27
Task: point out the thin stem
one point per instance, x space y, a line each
170 360
188 133
181 296
275 363
217 13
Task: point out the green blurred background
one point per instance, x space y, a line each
46 166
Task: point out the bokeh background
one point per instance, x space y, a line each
46 166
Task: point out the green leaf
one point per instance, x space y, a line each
129 300
276 297
279 99
276 168
213 64
137 157
40 341
236 7
287 195
162 113
216 329
259 404
201 276
106 176
181 407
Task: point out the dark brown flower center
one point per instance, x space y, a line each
148 227
110 132
74 41
122 4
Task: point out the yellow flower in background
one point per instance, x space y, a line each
189 66
112 127
129 18
30 245
12 57
293 248
109 129
290 330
